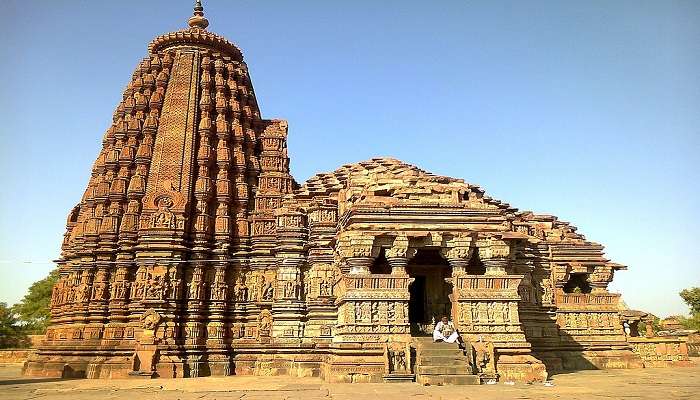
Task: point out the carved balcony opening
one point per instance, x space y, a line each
380 265
577 283
475 266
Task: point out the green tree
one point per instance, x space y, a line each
34 309
12 333
692 299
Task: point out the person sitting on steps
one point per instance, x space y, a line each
445 331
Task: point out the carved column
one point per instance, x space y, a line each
600 278
495 256
398 265
457 253
356 251
398 255
359 265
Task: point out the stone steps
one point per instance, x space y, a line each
442 364
438 380
444 370
440 360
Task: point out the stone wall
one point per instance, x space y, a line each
694 345
14 356
661 351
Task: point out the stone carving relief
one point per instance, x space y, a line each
264 324
485 357
399 359
240 290
152 283
196 287
399 247
319 281
377 312
219 287
488 316
164 218
491 248
150 320
261 285
587 320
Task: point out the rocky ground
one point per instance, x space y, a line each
651 383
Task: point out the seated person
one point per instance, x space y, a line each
445 331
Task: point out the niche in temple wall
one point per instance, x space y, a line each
577 283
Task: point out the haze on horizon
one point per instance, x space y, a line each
587 111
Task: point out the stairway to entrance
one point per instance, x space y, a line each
442 363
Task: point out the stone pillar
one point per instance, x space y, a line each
398 255
457 252
359 265
495 254
356 251
398 265
600 278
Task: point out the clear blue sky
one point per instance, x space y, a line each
586 110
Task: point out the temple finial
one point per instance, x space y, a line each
197 20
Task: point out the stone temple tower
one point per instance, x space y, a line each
187 171
193 252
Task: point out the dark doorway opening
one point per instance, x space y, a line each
416 304
430 293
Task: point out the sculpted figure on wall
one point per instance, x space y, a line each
264 324
398 360
365 312
220 288
547 294
268 292
150 320
480 312
499 312
485 356
240 290
196 285
164 218
525 289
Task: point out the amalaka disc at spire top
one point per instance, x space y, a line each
197 20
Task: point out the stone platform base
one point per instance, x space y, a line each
335 365
520 368
559 361
358 365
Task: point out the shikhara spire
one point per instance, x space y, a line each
197 20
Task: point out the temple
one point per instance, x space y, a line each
194 252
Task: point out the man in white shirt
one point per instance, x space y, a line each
445 331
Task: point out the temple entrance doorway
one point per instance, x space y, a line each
429 293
